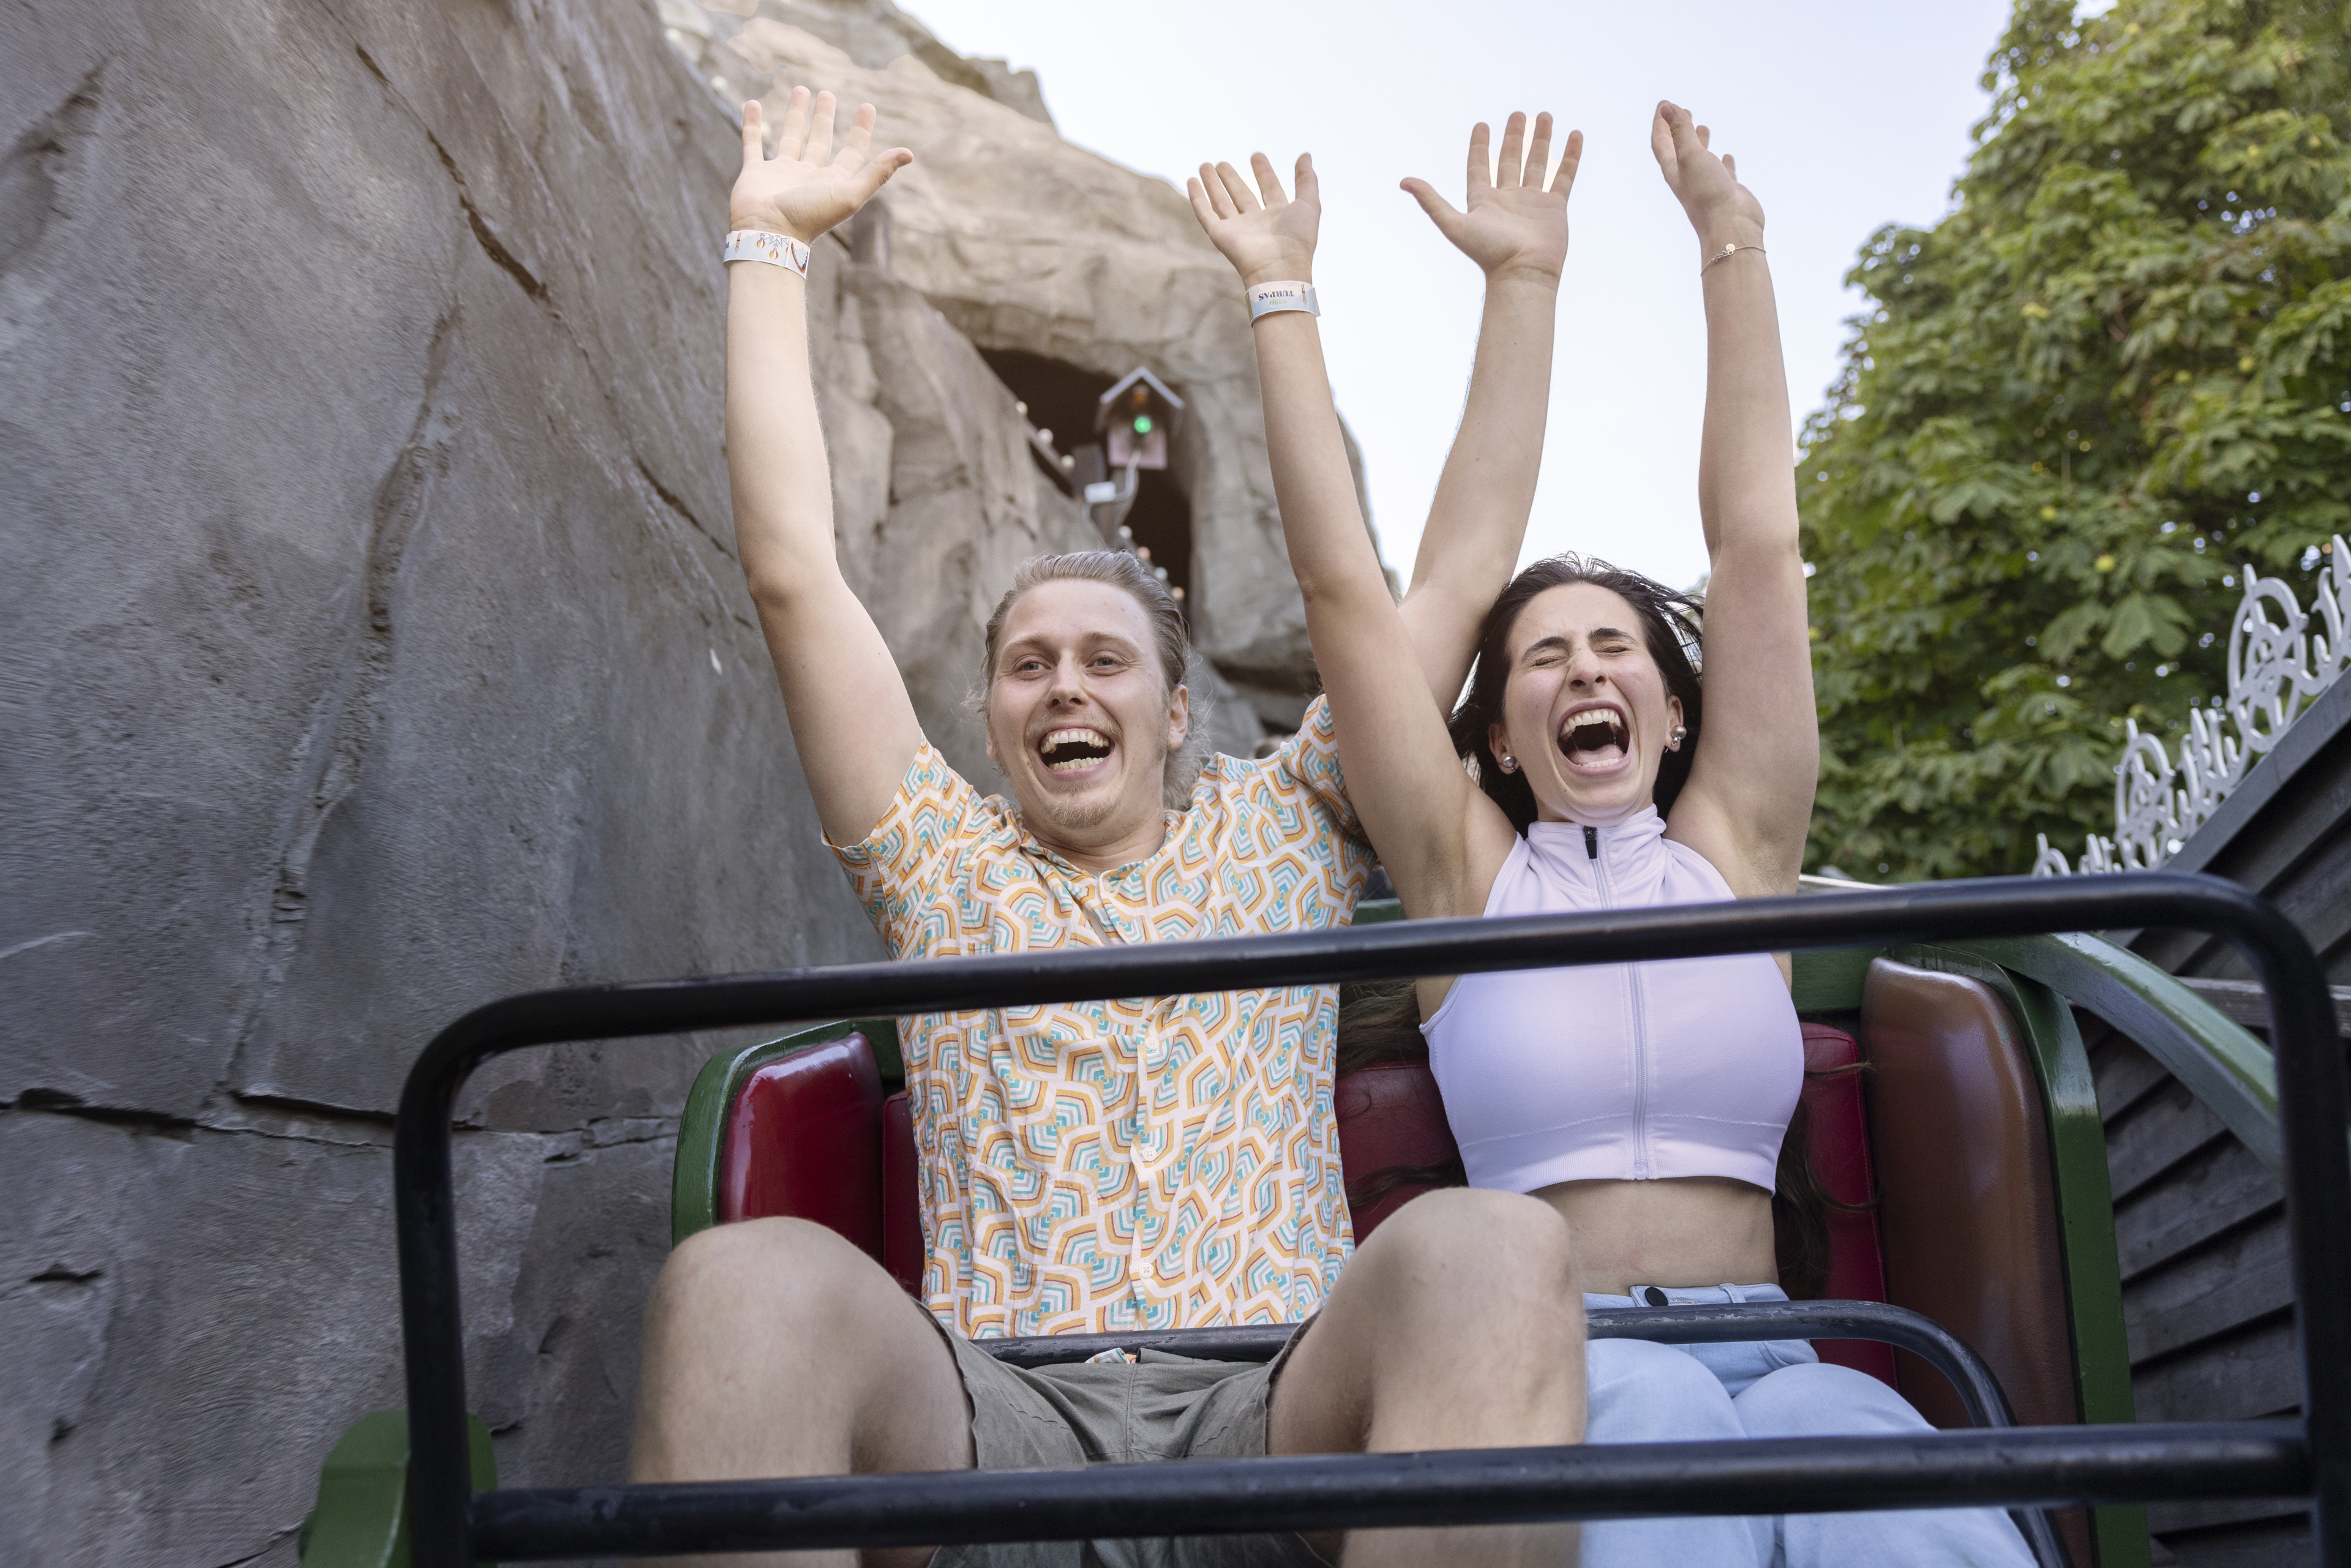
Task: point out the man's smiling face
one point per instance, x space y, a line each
1080 720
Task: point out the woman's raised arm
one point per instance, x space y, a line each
1750 796
1403 778
1514 226
852 720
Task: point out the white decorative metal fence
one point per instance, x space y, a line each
2280 658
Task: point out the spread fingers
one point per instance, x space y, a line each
1236 189
1269 185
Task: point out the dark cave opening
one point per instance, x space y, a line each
1061 398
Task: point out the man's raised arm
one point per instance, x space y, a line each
851 719
1515 231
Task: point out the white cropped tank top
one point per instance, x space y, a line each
1683 1067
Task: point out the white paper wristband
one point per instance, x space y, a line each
1265 299
761 245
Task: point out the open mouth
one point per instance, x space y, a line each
1070 750
1594 738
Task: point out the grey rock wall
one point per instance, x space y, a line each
374 649
372 646
871 32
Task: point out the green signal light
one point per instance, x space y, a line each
1142 424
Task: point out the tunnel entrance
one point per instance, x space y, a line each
1061 399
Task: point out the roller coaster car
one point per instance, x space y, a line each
1951 1117
1939 1157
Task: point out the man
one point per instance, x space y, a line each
1148 1164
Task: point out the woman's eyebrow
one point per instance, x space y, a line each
1562 643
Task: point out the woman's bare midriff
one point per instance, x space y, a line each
1696 1230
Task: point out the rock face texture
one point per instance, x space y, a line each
376 649
873 33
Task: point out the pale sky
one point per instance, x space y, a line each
1843 114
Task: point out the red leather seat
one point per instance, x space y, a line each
1392 1134
1837 1135
902 1205
812 1135
803 1139
1970 1205
1970 1200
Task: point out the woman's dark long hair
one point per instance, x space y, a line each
1669 627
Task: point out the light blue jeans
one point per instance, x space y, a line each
1645 1393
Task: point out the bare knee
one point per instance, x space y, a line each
1499 1244
1458 1324
759 1274
775 1347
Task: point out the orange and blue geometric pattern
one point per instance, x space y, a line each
1153 1163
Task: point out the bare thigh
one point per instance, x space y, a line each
1456 1325
776 1348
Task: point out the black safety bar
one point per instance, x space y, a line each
1376 1491
2113 1464
1708 1323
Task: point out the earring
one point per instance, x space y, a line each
1510 763
1674 737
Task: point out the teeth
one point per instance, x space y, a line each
1592 718
1093 741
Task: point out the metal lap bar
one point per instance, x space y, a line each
1463 1486
2096 1464
1733 1323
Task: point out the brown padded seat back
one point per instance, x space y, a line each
1968 1213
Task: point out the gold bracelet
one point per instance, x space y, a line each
1726 250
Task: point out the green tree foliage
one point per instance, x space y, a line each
2118 369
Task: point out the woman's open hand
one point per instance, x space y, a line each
1516 222
805 189
1267 241
1723 211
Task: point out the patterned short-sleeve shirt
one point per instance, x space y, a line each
1146 1164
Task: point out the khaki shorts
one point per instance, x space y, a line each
1160 1407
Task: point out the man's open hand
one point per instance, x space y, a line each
805 189
1517 221
1267 241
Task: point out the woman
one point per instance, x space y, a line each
1645 1103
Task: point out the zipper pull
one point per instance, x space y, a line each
1590 843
